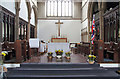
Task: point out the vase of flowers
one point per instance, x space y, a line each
68 56
59 52
2 68
91 59
50 56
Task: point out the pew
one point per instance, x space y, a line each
107 51
82 48
22 50
18 51
9 47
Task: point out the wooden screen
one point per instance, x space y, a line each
111 25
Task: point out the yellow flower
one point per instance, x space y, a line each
94 56
59 51
90 55
4 53
50 52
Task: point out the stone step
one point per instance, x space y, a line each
27 69
60 71
34 65
63 75
57 72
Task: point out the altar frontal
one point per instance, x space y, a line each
52 47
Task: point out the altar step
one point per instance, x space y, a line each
60 71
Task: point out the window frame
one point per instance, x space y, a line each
70 13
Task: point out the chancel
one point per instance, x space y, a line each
59 37
73 39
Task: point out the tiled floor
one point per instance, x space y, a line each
75 58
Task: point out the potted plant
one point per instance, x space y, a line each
68 56
91 59
50 56
59 54
2 68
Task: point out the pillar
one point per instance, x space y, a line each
28 28
17 7
101 12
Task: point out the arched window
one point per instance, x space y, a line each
59 8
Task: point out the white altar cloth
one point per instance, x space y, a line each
56 46
42 47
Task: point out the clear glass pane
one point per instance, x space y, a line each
55 8
67 8
51 8
59 8
6 31
3 32
10 32
70 8
63 10
48 8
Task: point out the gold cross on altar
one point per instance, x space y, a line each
59 26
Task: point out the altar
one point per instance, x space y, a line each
56 46
59 40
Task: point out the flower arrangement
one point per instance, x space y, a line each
4 53
67 54
59 52
50 54
91 58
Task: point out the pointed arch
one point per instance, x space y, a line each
35 14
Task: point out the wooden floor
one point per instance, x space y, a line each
75 58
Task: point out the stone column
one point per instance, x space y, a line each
28 28
35 13
101 18
35 30
17 7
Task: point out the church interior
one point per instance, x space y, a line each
60 39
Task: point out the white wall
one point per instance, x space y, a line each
41 10
10 5
70 28
85 18
23 10
32 21
77 10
